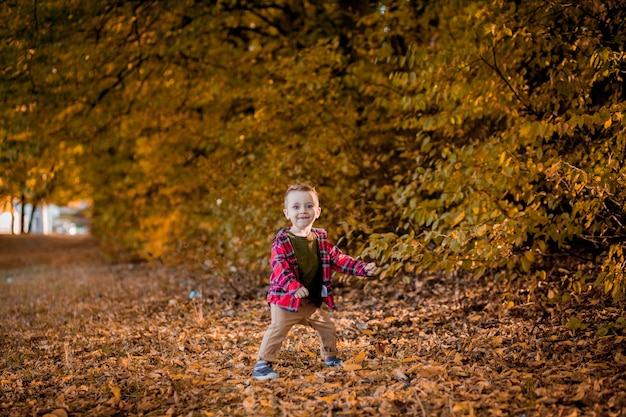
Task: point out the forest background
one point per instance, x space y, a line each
482 137
474 149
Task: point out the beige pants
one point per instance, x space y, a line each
283 321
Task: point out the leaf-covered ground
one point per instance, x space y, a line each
82 337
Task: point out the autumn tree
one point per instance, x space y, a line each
517 115
36 156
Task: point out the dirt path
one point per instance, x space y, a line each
81 336
28 250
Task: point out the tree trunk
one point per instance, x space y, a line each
32 216
23 213
12 210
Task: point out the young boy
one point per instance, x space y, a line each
302 261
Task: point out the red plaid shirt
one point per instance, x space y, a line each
284 281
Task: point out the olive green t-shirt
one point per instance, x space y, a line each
307 254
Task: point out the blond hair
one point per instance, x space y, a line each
301 186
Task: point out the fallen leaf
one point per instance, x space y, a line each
474 318
59 412
146 405
359 358
581 392
431 371
329 399
351 366
117 393
248 404
496 342
398 374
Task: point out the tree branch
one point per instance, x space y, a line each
495 68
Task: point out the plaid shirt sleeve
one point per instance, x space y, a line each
345 264
284 280
337 260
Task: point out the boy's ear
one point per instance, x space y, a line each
285 213
319 212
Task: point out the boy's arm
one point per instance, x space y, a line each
346 264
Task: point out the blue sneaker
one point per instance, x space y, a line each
334 361
262 371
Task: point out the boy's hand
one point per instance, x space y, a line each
301 293
370 269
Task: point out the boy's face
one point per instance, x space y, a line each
302 208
